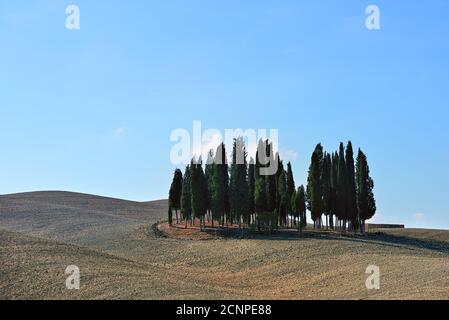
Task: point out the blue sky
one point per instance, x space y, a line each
92 110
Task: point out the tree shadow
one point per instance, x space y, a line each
378 238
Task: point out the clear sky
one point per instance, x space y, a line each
91 110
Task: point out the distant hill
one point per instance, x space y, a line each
75 217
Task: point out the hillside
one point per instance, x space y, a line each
75 217
121 258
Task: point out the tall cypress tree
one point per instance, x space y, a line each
238 183
326 187
334 175
351 205
220 189
284 199
291 189
366 204
260 189
314 186
341 188
251 189
174 198
209 175
186 207
198 189
195 190
271 180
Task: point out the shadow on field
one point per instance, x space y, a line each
378 238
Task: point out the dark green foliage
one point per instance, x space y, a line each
366 204
238 189
284 199
351 205
300 206
251 187
209 175
174 198
341 186
291 189
260 190
271 180
326 186
314 186
186 207
199 194
220 186
334 178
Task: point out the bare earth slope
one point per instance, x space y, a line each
75 217
120 258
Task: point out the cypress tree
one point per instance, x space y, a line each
351 204
238 183
195 191
284 199
366 204
220 189
291 189
314 186
341 188
271 180
326 187
334 175
251 189
186 207
174 198
208 173
293 208
260 189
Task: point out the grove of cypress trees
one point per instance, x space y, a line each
174 198
335 187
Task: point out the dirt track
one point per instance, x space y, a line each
119 258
